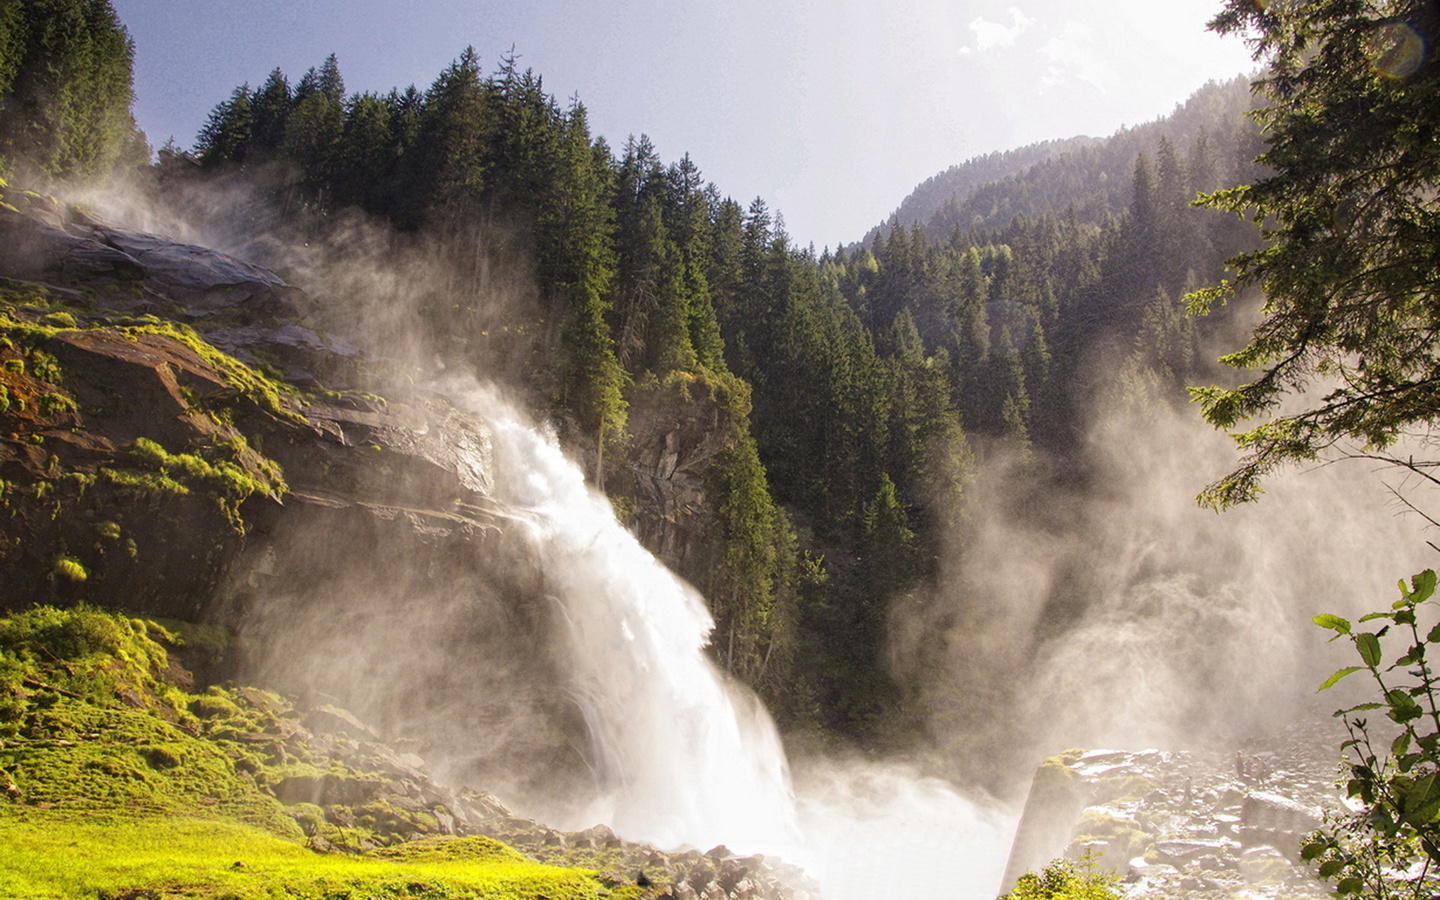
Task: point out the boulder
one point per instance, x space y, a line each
1278 821
1193 823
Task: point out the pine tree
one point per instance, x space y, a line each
315 126
365 155
66 88
269 109
1351 268
447 163
226 135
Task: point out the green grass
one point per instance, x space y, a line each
116 782
60 856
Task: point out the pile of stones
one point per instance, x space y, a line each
1215 824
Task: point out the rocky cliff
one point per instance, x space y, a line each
180 438
162 412
177 440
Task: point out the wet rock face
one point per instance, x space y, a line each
677 434
1192 824
45 241
141 461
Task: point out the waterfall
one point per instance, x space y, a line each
681 755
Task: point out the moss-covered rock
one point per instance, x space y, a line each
116 771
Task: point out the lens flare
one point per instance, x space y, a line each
1398 50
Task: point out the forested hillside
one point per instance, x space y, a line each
940 191
823 412
1086 177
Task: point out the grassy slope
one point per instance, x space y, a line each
116 854
118 782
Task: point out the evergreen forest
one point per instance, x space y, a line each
859 381
856 385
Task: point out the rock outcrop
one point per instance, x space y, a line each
1192 824
145 466
679 431
173 445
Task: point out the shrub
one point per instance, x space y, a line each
1066 879
1390 847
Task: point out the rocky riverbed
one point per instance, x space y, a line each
1224 823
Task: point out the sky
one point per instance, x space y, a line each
832 111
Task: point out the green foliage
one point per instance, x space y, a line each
115 787
69 568
1349 270
1065 879
1390 848
60 319
227 131
65 88
226 481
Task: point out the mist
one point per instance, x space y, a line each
1108 610
1119 613
410 304
545 656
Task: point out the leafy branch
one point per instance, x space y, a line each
1390 846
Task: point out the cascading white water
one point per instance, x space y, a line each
681 756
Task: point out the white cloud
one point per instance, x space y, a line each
989 35
1074 57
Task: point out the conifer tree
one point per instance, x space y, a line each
269 109
1351 269
226 135
66 88
315 125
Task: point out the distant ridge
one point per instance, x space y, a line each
1087 176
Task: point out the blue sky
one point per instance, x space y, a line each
832 111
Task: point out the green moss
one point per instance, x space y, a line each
347 396
143 482
69 568
214 706
1060 766
1122 837
52 403
1127 787
225 481
268 393
57 856
201 643
452 849
118 790
45 367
